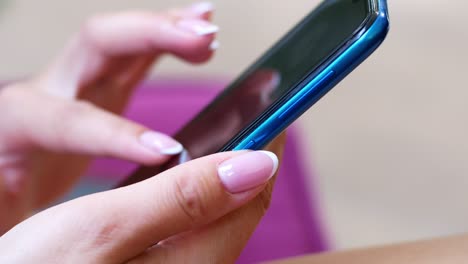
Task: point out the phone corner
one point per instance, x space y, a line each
383 17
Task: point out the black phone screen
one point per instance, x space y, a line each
278 71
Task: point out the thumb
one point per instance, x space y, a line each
118 225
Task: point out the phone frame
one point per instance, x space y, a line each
317 83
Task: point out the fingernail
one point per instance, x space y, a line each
214 45
248 171
197 26
202 8
160 143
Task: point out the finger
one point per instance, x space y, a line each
93 131
147 32
118 225
137 33
123 223
219 242
81 128
137 69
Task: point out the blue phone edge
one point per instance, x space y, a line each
321 84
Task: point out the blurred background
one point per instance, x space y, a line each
388 144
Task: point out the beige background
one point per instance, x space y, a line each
389 143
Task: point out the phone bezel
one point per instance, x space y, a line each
373 13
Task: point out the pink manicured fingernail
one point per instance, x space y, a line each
247 171
160 143
202 8
198 26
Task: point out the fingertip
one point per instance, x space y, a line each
160 143
199 58
147 157
248 171
274 159
197 49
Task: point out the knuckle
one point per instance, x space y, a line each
89 29
191 194
91 23
9 94
104 234
96 233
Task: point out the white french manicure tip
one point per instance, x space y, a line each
214 45
205 30
275 160
172 151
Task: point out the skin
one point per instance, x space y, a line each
56 122
88 85
437 251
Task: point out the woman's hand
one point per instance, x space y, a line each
53 123
203 211
184 215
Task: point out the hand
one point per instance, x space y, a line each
184 215
53 123
172 216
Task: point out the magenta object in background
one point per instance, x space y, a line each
292 225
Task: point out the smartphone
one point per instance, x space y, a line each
285 82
